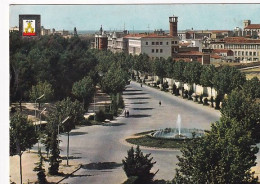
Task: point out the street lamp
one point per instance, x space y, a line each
41 114
59 128
40 125
36 104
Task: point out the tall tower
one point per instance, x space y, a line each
247 23
173 25
75 32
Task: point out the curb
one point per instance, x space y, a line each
70 174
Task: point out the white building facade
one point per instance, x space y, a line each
155 46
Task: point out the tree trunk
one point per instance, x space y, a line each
21 175
68 148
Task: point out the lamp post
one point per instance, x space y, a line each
59 128
36 104
40 126
41 114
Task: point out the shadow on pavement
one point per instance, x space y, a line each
77 133
142 109
101 166
132 90
113 124
135 93
137 98
139 103
139 116
70 158
80 175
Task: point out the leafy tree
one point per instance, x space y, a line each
207 74
243 109
142 63
178 69
227 79
22 136
159 68
192 72
41 171
252 88
169 67
224 155
84 90
53 143
114 81
138 164
40 89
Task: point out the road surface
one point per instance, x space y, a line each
91 144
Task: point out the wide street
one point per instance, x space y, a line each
90 144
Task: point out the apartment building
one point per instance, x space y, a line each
154 45
244 49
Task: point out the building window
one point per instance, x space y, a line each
176 42
167 43
242 53
152 43
160 43
157 50
250 53
152 50
157 43
146 43
254 53
161 50
172 42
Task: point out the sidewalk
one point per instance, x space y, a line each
28 164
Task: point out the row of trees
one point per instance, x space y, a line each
224 79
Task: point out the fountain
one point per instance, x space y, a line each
178 132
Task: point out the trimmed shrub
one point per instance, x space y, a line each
212 101
205 101
201 97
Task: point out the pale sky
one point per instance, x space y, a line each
113 17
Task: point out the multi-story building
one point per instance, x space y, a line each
117 42
15 28
45 31
154 45
244 49
157 44
101 40
251 29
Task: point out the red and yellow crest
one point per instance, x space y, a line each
29 28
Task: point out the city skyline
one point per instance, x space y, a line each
139 17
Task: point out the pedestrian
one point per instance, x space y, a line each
160 103
125 112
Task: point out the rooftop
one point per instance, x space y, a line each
193 53
150 35
253 26
240 40
220 50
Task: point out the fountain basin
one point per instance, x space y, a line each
174 133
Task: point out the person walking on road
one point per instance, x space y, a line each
160 103
125 113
